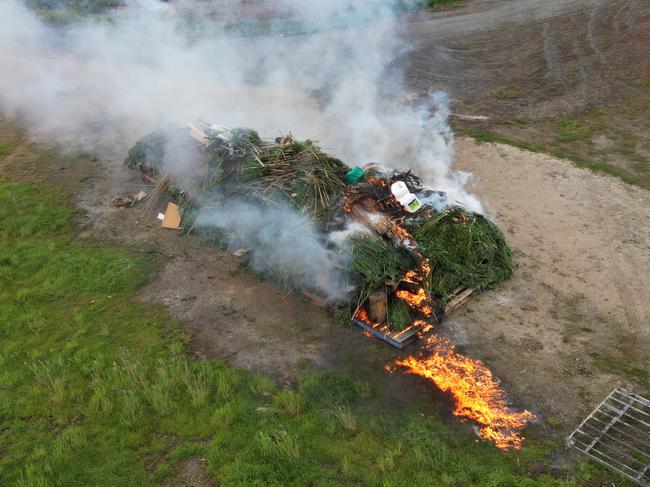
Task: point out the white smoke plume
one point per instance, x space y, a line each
281 244
107 83
322 69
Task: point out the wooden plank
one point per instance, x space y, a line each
459 298
197 134
172 217
318 300
397 340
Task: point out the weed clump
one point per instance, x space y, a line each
464 250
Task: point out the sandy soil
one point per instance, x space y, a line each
577 310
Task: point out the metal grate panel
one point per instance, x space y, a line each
617 435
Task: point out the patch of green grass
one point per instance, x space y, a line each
485 135
630 370
95 389
507 92
603 167
64 12
83 7
440 3
600 167
81 155
553 421
643 84
163 471
5 150
627 149
571 130
641 163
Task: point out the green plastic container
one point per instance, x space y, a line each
355 175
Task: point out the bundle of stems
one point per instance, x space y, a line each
377 262
154 197
399 315
464 250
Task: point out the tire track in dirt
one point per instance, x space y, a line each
634 10
630 307
591 27
551 54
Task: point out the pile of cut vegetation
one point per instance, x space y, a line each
414 250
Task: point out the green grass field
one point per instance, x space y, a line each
97 389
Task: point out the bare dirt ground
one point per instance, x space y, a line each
569 326
230 314
573 321
571 77
564 56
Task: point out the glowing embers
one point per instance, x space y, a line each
397 339
477 394
417 301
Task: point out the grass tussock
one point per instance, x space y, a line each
571 132
473 253
346 418
435 4
510 92
94 390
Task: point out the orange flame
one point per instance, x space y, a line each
362 315
418 301
401 232
476 392
412 277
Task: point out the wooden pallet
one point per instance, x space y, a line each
458 298
397 340
401 339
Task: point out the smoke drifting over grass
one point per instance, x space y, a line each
322 69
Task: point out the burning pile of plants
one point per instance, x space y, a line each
404 268
409 253
228 161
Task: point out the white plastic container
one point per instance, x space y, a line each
408 200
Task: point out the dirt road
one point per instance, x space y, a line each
561 55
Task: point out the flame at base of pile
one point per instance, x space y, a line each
477 394
405 264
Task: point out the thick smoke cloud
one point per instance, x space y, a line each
322 69
281 244
104 84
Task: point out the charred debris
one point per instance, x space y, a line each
415 254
